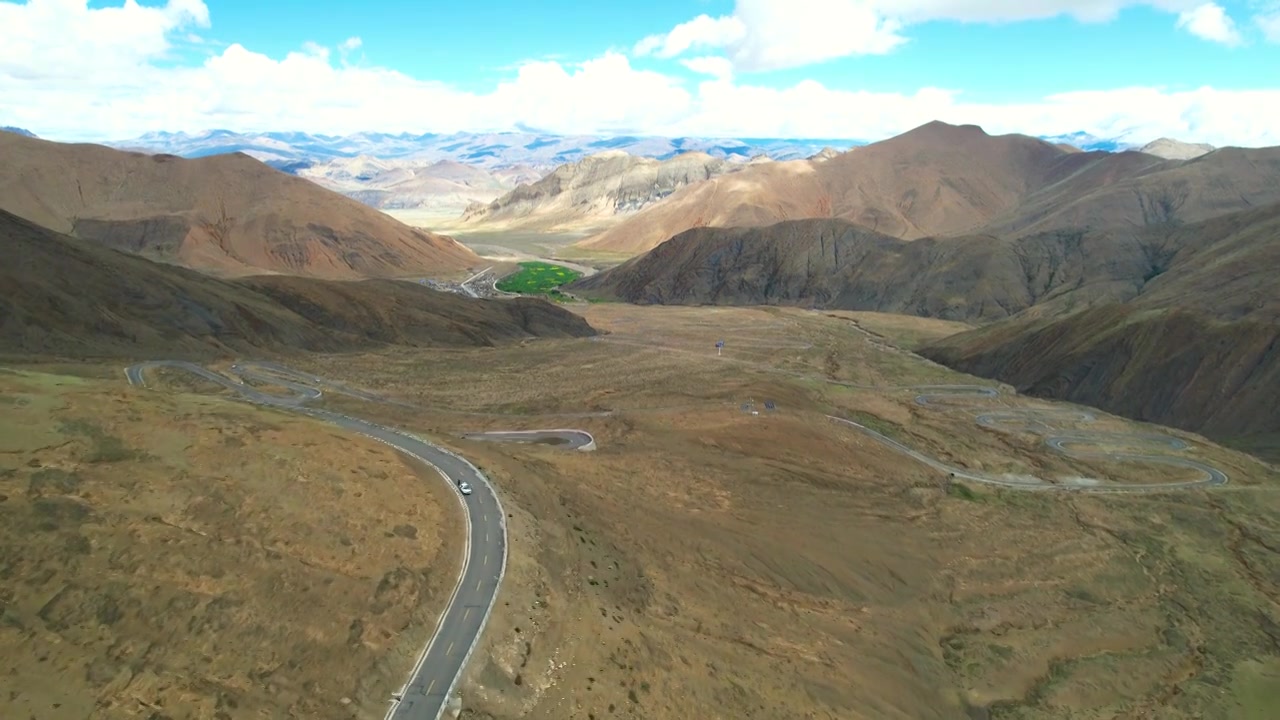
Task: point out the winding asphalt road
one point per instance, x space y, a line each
438 667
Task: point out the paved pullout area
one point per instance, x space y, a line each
440 664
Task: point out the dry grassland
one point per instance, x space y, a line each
710 563
167 555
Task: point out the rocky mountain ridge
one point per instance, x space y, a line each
595 190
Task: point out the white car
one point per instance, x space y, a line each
464 487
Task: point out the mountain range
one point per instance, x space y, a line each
402 171
941 179
1123 280
541 151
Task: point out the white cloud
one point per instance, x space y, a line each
777 34
315 49
717 67
351 43
121 90
1269 23
60 38
700 32
1210 22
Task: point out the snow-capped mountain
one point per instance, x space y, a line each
295 150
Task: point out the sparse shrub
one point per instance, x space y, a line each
52 480
405 531
109 448
1079 593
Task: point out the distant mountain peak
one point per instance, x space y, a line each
825 153
17 131
939 131
1171 149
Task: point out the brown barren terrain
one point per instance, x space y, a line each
706 562
179 556
227 214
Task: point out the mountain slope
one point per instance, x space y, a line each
838 264
594 190
943 180
69 297
1197 347
1136 191
228 214
937 179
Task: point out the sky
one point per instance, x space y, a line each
847 69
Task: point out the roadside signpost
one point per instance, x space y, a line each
719 345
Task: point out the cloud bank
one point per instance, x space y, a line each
69 72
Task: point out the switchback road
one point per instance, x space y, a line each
1069 443
1040 421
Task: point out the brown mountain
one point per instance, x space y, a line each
1133 190
228 214
945 180
597 190
937 179
69 297
1197 347
838 264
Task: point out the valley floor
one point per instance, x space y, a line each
707 560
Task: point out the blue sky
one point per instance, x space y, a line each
450 41
821 68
